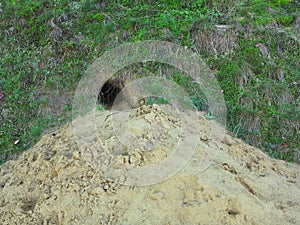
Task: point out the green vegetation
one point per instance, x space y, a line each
156 100
47 45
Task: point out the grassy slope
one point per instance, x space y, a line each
47 45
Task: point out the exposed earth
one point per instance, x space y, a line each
52 183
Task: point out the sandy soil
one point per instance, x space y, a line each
52 183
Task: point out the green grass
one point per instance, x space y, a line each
47 45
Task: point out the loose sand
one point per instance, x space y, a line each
52 183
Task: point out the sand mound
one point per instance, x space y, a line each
53 184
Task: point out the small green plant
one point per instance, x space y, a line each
100 107
36 130
156 100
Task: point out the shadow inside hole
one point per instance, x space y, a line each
109 92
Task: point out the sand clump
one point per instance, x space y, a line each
52 183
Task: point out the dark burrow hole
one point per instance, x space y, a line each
109 92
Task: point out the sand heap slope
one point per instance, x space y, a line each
53 184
